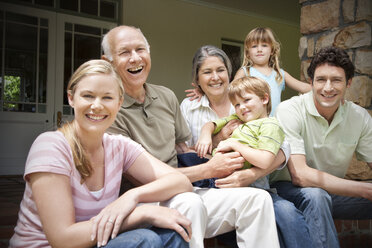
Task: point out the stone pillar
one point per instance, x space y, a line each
346 24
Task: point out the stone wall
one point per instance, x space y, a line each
346 24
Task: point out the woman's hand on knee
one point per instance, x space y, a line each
169 218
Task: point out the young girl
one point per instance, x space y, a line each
261 59
73 178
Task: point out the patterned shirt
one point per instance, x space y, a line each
264 134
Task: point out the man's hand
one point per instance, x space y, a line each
194 93
224 164
241 178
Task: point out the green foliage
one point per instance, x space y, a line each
11 90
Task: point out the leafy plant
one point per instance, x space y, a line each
12 91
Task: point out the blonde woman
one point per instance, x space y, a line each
73 178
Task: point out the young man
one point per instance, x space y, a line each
324 132
151 116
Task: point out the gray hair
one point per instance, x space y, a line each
106 45
202 54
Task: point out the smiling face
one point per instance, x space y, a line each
249 106
96 101
130 56
213 77
329 87
260 53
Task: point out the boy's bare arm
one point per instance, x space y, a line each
259 158
244 178
204 143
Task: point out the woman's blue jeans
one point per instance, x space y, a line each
148 238
320 208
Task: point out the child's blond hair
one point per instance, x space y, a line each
266 35
253 85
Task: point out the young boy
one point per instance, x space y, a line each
259 138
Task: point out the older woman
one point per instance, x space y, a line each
211 71
73 178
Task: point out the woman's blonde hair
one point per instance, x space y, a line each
92 67
266 35
253 85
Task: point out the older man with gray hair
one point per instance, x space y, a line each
151 116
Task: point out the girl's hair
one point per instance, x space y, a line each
202 54
266 35
253 85
92 67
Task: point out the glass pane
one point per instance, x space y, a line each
89 7
68 26
107 9
87 29
21 59
43 65
67 110
85 48
49 3
43 22
233 52
12 90
12 17
69 4
19 107
67 64
1 53
42 108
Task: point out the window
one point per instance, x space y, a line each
101 9
23 78
235 52
82 43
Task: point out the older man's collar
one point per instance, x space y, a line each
149 97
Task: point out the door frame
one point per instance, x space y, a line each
19 129
60 53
